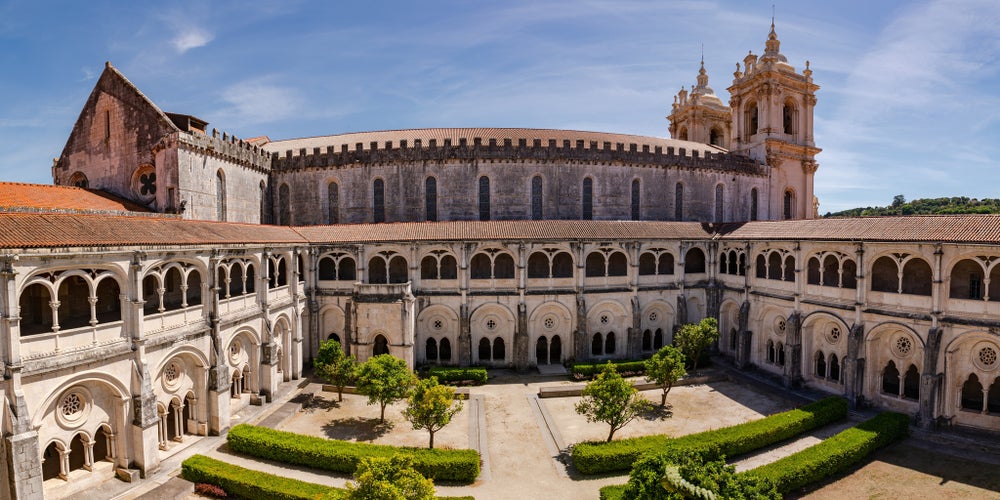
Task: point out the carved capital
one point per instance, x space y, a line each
809 166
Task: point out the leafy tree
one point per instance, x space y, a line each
389 478
384 379
431 406
334 366
693 338
611 399
898 200
664 369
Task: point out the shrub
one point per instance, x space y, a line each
629 368
450 374
248 483
618 456
461 466
612 492
210 490
834 454
688 476
389 478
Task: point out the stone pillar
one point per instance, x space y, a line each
145 435
521 339
792 376
929 381
744 336
219 400
634 345
350 336
269 376
682 310
853 369
22 456
581 341
464 336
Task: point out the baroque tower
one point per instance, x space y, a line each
772 108
701 116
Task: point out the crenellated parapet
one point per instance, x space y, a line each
403 151
226 147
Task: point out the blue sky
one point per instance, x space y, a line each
909 100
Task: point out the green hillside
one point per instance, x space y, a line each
926 206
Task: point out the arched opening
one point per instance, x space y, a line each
347 270
658 339
377 272
770 352
917 277
636 192
683 134
333 203
480 267
812 271
587 198
993 397
193 292
820 364
503 267
398 270
51 462
562 265
761 265
774 271
74 307
753 204
788 118
378 200
235 280
789 268
849 274
484 198
715 137
788 205
109 306
972 394
187 415
542 350
172 295
430 199
647 264
431 349
334 337
831 271
752 118
35 311
444 350
536 198
780 351
555 352
429 268
77 455
484 349
694 261
884 275
595 265
102 445
282 272
890 379
911 383
733 264
499 349
381 345
172 421
327 269
220 196
597 344
665 264
538 265
967 280
647 340
834 368
617 264
609 343
733 337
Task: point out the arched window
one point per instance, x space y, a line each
665 264
481 267
715 137
788 118
484 349
753 204
679 201
503 267
790 268
911 383
647 340
398 272
884 275
734 266
812 271
849 274
967 280
377 272
444 350
536 198
449 268
683 134
890 379
635 199
834 368
774 266
719 190
761 265
430 199
35 311
789 205
609 343
617 264
752 115
820 365
327 269
831 271
595 265
770 351
993 397
381 345
562 265
220 196
499 349
917 277
378 200
431 349
597 344
484 198
347 270
538 265
429 268
588 198
647 264
780 351
972 394
284 206
658 339
694 261
109 306
333 203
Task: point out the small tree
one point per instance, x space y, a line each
431 406
389 478
664 369
611 399
334 366
693 338
384 379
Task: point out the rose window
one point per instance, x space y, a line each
779 325
988 356
652 316
604 319
549 323
491 324
437 324
71 405
903 346
147 184
171 373
834 335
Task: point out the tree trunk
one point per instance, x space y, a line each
340 394
431 446
663 398
611 434
381 416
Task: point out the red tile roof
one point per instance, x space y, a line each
16 196
918 228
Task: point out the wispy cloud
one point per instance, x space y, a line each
191 38
258 101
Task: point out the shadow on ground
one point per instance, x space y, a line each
356 428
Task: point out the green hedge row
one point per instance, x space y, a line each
612 492
626 368
834 454
618 456
248 483
460 466
449 374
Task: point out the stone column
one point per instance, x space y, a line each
853 368
581 336
145 436
269 376
464 335
792 376
929 381
744 336
521 339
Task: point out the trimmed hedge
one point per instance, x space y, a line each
834 454
618 456
248 483
612 492
627 368
449 374
460 466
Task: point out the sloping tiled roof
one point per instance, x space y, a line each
514 134
917 228
504 230
44 230
16 196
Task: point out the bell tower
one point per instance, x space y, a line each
772 108
701 116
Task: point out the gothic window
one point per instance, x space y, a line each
788 205
284 206
780 351
431 349
430 199
694 261
753 204
752 122
536 197
79 179
719 190
770 351
790 268
917 277
220 196
647 340
378 200
820 365
658 339
715 137
597 344
588 198
484 198
890 379
635 199
381 345
911 383
333 203
834 368
484 349
444 350
499 349
972 394
679 202
609 343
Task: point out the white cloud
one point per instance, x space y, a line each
191 38
259 101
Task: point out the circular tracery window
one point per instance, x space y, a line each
902 346
604 319
986 357
491 324
438 324
779 325
234 351
549 322
144 182
833 335
73 408
71 405
653 316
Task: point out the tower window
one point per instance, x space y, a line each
789 205
378 201
635 199
588 199
715 137
753 204
719 191
679 202
430 199
220 196
333 199
484 198
752 119
536 197
788 118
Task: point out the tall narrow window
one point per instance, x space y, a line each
679 202
753 204
333 199
635 199
536 197
752 119
284 206
788 118
719 191
484 198
431 199
220 196
378 201
588 199
263 204
788 205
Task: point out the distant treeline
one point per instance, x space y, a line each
924 206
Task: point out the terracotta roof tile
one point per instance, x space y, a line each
917 228
15 196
